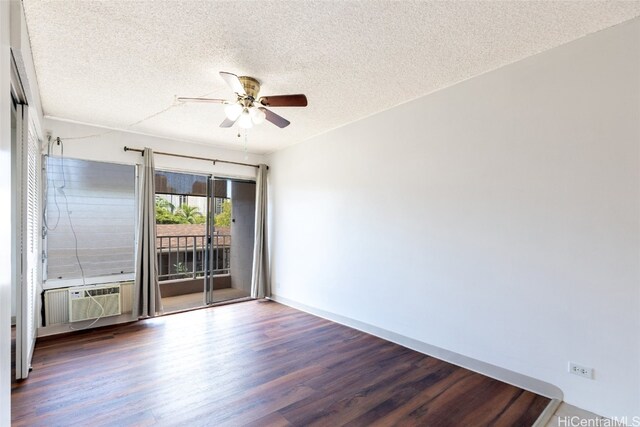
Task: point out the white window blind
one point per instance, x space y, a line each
92 203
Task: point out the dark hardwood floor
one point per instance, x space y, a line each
255 363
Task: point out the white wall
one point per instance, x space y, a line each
5 220
497 219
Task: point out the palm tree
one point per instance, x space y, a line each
190 213
164 204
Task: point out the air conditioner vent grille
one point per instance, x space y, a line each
102 291
94 302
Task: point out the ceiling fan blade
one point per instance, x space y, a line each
298 100
226 123
207 100
277 120
233 81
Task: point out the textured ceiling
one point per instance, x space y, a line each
113 63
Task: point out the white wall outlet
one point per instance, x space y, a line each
582 371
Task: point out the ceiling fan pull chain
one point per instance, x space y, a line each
246 154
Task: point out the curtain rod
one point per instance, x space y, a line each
206 159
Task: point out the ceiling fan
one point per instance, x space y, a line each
248 109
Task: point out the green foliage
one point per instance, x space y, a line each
190 214
223 219
165 215
180 268
164 204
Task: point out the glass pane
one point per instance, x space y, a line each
181 209
181 221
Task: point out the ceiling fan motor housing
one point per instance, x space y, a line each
251 86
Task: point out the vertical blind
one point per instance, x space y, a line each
92 203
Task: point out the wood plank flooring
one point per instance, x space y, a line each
254 363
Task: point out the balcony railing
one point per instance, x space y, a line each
181 257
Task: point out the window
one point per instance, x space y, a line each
90 218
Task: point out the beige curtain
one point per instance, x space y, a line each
260 287
146 296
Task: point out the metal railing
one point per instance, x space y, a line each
182 257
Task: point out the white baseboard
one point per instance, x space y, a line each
548 412
519 380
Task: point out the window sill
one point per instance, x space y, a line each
69 283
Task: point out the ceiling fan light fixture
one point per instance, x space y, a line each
257 115
243 110
233 111
245 121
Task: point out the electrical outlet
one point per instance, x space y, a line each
580 370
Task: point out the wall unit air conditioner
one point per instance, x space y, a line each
56 302
91 302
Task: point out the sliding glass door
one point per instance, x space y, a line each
182 236
231 237
205 233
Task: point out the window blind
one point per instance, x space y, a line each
93 203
